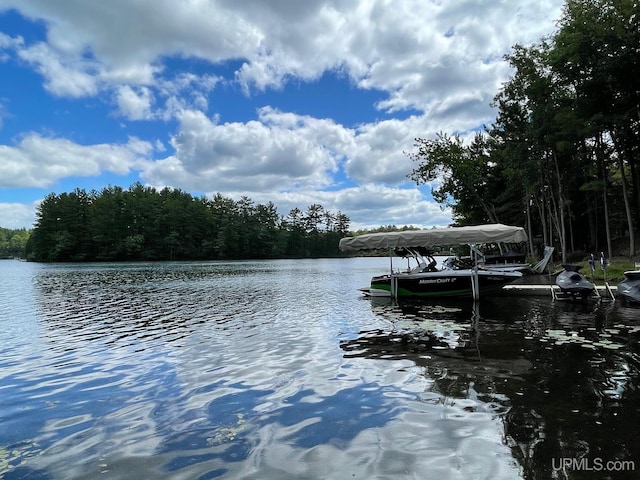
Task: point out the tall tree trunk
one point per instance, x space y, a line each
558 207
555 220
593 220
625 195
560 215
606 214
572 244
627 208
541 205
605 181
530 230
635 174
635 186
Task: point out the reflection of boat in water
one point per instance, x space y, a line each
573 283
541 387
443 335
629 288
425 280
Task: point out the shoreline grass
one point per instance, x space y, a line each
612 274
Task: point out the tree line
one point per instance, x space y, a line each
562 157
13 242
143 223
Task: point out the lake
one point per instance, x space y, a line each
280 370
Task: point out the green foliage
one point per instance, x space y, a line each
385 229
613 274
142 223
563 153
13 242
464 176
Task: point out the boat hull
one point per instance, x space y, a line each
629 288
446 283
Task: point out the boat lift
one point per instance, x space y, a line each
467 235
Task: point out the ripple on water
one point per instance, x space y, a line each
279 370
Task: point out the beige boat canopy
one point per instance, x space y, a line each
492 233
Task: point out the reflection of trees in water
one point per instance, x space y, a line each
557 399
577 403
114 307
144 302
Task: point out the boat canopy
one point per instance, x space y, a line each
491 233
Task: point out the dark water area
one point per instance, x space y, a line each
281 370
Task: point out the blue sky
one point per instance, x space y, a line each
289 101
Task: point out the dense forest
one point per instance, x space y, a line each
563 156
142 223
13 242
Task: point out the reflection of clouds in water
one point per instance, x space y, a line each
319 419
446 439
280 370
456 431
360 430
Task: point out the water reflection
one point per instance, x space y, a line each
279 370
562 377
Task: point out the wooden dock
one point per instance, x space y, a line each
552 291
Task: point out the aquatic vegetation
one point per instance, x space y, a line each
228 433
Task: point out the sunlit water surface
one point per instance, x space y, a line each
280 370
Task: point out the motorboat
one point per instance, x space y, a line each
573 283
455 278
629 288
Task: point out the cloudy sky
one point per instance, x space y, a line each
290 101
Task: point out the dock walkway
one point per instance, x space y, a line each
550 290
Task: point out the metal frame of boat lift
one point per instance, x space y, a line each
475 282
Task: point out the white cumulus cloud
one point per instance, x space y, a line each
37 161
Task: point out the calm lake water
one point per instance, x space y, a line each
280 370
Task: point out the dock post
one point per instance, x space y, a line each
393 280
475 282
